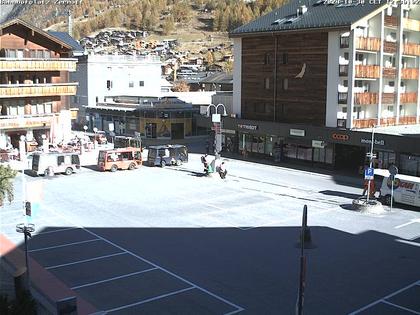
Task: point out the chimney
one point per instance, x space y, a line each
301 10
70 23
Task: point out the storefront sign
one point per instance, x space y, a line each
248 127
369 141
228 131
340 136
297 132
318 144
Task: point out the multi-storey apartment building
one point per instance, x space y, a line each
102 76
312 77
34 84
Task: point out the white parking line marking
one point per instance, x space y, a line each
64 245
58 230
112 279
149 300
408 223
166 270
84 260
384 298
401 307
408 242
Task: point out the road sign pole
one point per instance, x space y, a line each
392 190
371 161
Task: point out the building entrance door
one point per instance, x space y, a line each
177 131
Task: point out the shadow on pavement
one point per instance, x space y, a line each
216 270
339 194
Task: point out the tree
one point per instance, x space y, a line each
168 25
6 185
180 86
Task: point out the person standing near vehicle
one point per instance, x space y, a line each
222 170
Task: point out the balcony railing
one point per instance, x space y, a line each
390 21
35 90
371 72
26 121
390 121
366 98
342 97
388 98
407 120
390 47
410 73
411 49
368 43
389 72
27 64
343 70
408 98
364 123
410 24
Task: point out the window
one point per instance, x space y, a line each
285 58
345 83
141 83
267 83
131 84
47 54
108 84
390 108
267 58
359 57
358 83
346 55
285 84
391 83
344 109
344 41
48 108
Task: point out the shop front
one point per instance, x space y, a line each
341 149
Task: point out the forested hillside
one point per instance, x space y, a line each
156 16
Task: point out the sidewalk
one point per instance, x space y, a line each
339 176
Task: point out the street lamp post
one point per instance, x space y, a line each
44 143
371 161
217 124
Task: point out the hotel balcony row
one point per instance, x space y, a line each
373 71
37 90
370 98
34 64
26 121
390 121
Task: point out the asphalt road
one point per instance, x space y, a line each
170 241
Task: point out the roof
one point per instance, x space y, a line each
66 38
399 130
219 78
20 28
319 15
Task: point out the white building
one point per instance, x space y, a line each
100 76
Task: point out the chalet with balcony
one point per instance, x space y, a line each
34 84
311 79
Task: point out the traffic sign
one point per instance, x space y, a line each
371 155
369 173
393 170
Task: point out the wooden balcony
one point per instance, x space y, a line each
390 47
388 98
390 21
366 98
390 121
27 121
13 64
410 73
368 43
411 49
408 98
389 73
36 90
410 24
407 120
365 123
371 72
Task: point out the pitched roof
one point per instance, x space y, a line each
15 26
319 15
66 38
219 78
